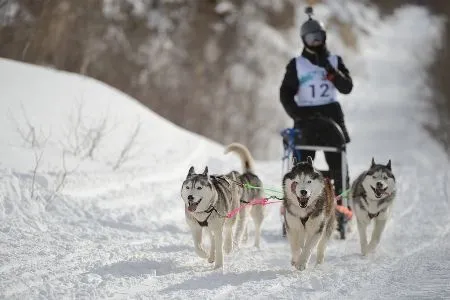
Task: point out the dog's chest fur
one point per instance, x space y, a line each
302 219
312 216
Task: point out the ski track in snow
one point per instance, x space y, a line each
106 251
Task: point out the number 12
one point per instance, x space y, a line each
324 87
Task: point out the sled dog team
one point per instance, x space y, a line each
308 199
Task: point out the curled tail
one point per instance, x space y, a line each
248 164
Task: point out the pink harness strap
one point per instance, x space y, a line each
260 201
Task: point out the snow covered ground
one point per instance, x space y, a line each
78 229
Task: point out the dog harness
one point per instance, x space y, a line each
204 223
314 88
371 216
303 220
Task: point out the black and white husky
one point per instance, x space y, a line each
310 212
208 199
372 196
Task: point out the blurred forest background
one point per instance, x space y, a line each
211 66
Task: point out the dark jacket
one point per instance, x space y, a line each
341 79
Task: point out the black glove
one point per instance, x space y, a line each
322 60
322 56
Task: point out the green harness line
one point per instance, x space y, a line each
248 185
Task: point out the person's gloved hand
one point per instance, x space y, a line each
322 57
322 60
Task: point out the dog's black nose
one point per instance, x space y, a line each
190 198
303 193
379 185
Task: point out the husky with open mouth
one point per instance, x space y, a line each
372 195
208 199
310 212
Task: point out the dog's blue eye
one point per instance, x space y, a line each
199 188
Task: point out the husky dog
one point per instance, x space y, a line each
257 212
372 195
310 212
208 199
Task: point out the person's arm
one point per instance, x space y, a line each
340 77
289 87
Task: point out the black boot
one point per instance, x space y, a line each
342 224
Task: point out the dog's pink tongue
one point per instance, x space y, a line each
293 187
192 207
303 201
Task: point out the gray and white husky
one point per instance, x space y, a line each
208 199
310 212
372 195
257 212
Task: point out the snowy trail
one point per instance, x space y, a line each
122 234
123 255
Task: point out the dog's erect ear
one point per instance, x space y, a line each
205 172
373 163
309 160
389 165
191 171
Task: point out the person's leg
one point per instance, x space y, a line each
334 161
334 164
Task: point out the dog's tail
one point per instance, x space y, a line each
248 164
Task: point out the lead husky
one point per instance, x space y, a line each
310 212
373 194
208 199
257 212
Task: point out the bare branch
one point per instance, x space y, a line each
37 161
29 135
96 135
73 133
61 178
125 154
82 140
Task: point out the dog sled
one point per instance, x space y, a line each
308 137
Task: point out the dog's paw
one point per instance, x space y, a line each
364 251
300 266
364 248
372 247
211 259
201 253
